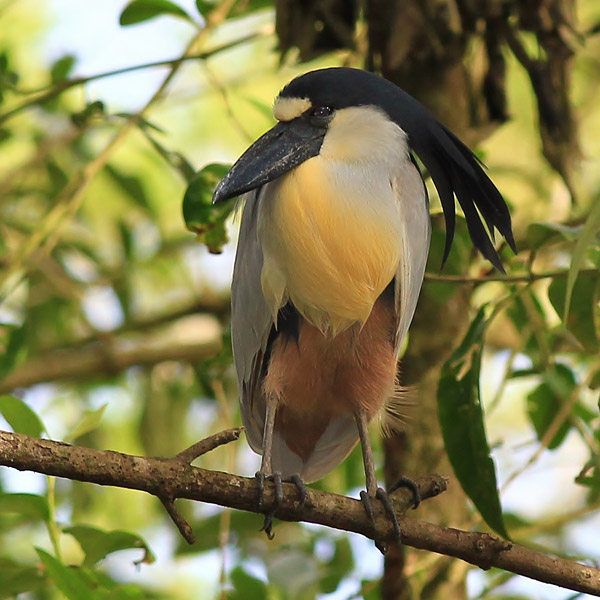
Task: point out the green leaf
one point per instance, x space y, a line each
582 319
70 581
17 578
589 234
15 348
338 567
593 253
541 234
207 530
62 67
239 9
264 109
5 134
127 240
246 587
20 417
90 421
130 185
463 428
175 159
205 6
97 544
528 316
590 473
31 506
138 11
546 400
93 110
595 381
58 178
199 213
295 572
370 589
8 77
519 373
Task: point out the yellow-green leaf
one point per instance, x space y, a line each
20 417
90 421
97 544
589 234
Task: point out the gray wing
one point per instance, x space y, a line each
251 322
413 205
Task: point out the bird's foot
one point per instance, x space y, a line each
405 482
278 483
367 502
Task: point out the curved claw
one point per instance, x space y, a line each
268 525
278 483
302 490
367 502
391 513
268 522
408 483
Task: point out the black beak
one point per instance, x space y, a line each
278 151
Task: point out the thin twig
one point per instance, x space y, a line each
218 306
555 522
184 527
557 422
210 443
224 93
525 278
48 93
112 357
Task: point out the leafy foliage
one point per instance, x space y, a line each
463 428
96 268
201 216
20 417
139 11
97 544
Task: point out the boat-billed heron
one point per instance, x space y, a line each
330 260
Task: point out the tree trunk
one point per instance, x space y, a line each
449 54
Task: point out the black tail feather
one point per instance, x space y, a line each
456 171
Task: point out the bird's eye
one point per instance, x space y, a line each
320 112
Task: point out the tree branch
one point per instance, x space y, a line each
525 278
175 478
214 304
56 89
106 358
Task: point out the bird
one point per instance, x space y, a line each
333 242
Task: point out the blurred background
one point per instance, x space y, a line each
114 317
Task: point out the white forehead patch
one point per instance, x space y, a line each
286 109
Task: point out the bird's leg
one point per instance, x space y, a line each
266 466
266 471
373 491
